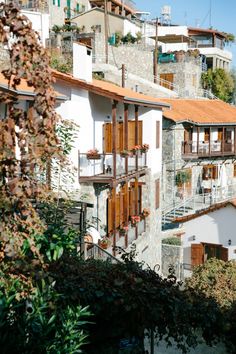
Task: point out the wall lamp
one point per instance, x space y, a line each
229 242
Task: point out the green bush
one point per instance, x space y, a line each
172 241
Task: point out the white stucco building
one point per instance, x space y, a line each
122 185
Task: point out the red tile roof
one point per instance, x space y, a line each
107 89
200 111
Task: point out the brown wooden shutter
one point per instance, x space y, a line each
206 134
197 253
131 134
220 134
224 254
107 138
157 197
131 201
117 210
120 140
157 134
109 215
122 215
140 132
215 172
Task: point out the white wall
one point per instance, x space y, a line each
82 62
131 27
154 155
216 227
40 23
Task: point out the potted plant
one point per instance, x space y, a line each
134 220
135 149
124 153
123 230
93 154
104 243
180 55
144 148
145 212
182 177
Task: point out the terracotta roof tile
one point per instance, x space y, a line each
200 111
23 88
107 89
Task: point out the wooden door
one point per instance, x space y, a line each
168 80
197 254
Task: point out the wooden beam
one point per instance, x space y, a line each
113 195
209 140
136 134
223 140
114 143
136 204
234 140
198 129
126 134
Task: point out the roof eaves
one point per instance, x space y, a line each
146 102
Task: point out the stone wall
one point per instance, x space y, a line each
173 136
186 75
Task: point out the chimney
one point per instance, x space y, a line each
82 62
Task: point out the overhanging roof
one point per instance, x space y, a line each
174 38
200 111
112 91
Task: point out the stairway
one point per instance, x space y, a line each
168 218
94 251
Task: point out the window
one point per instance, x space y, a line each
201 252
107 136
210 172
157 134
58 3
157 196
206 134
234 170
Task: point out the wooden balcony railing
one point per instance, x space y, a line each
205 149
102 165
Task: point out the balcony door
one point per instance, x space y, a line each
201 252
108 136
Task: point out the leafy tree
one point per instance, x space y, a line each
220 83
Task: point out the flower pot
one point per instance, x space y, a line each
104 245
94 157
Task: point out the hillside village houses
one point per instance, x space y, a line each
121 178
143 161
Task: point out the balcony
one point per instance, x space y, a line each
192 149
102 167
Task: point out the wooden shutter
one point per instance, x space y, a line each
197 254
107 138
157 197
120 139
131 201
122 215
157 134
139 199
214 172
109 215
140 132
206 134
117 210
224 254
220 134
131 134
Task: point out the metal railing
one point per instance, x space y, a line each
198 202
103 164
216 148
94 251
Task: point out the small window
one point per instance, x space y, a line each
157 134
157 197
235 170
54 2
210 172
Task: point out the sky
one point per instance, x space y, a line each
197 12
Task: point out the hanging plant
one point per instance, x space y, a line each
182 177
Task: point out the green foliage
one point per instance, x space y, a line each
220 82
182 177
230 37
172 241
128 38
62 65
215 279
126 300
34 320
